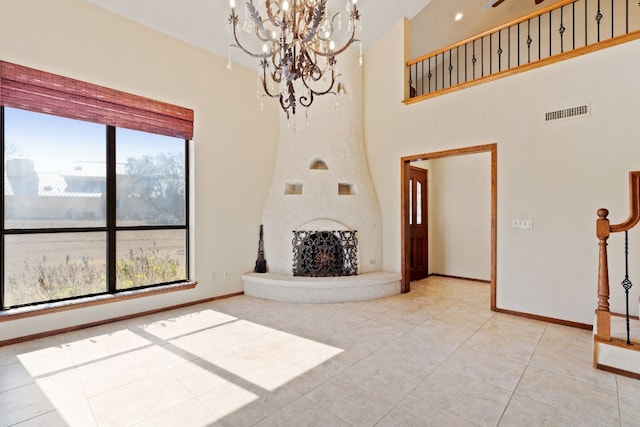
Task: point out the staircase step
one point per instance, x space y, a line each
619 328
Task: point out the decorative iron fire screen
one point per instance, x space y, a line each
325 253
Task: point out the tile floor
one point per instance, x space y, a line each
435 357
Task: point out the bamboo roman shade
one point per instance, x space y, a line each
39 91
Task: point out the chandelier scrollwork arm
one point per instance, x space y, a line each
298 50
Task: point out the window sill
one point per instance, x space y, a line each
55 307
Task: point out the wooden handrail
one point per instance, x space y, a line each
603 231
634 204
493 30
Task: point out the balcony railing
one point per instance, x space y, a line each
561 31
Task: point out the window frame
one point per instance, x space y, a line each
41 92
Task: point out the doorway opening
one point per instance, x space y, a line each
408 206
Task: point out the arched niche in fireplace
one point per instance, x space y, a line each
319 164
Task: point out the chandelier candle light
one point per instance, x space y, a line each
298 57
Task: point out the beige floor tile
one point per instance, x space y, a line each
291 366
569 395
191 413
236 405
630 409
93 335
199 376
570 343
500 370
435 356
302 413
99 350
523 411
318 375
471 398
138 401
14 375
116 371
412 412
628 386
38 398
513 345
576 368
357 400
227 397
31 349
464 314
164 327
398 369
75 415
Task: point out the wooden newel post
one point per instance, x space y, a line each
603 315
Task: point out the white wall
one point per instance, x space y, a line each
234 145
460 216
557 174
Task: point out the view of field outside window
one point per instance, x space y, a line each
55 181
150 192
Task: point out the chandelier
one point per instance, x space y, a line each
298 58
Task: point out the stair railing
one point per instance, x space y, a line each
563 30
603 231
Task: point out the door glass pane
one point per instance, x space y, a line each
151 177
418 203
410 201
55 172
44 267
149 257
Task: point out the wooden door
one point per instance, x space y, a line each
418 226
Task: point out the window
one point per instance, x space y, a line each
89 207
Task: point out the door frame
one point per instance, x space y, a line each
405 165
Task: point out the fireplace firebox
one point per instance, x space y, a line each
325 253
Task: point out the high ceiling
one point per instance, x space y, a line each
203 22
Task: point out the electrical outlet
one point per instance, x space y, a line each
525 224
226 274
213 275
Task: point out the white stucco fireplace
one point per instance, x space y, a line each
321 184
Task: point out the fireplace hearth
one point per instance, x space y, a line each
325 253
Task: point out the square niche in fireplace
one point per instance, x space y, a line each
325 253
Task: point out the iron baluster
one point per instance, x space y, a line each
529 41
430 75
573 23
626 283
482 57
499 51
562 29
586 23
410 82
450 70
550 34
490 53
422 78
508 48
539 37
465 62
598 19
474 60
443 60
518 44
458 65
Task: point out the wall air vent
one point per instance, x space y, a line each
568 113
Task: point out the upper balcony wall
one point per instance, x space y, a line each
563 30
434 27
